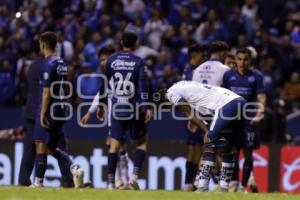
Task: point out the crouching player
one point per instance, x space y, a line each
128 72
248 83
225 107
49 129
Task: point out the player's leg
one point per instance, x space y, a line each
40 163
139 136
27 162
206 167
123 166
40 138
226 169
189 169
118 128
247 169
72 175
234 183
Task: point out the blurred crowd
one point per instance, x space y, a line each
166 28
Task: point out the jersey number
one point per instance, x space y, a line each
123 86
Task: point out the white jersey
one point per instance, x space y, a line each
210 72
95 102
205 99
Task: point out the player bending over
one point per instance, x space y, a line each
225 107
48 129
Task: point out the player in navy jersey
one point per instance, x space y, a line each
197 56
129 112
51 115
248 83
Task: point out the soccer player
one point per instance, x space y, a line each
248 83
128 72
197 56
121 178
48 129
197 100
211 72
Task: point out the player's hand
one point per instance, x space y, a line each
84 120
255 121
148 115
100 114
191 127
44 121
206 138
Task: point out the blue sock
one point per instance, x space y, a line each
247 168
236 170
112 165
64 163
40 165
195 170
139 157
189 172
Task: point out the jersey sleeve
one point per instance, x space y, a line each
174 98
144 84
104 83
196 76
94 104
260 87
46 75
225 83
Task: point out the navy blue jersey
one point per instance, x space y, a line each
187 73
54 75
247 86
130 84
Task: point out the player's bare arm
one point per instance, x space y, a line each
261 99
45 104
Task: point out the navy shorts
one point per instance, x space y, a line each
251 137
225 128
136 128
50 136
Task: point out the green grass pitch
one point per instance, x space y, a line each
24 193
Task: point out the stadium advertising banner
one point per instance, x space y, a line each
163 169
290 169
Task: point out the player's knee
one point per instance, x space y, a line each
40 147
209 156
114 146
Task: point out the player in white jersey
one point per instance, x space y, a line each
211 72
226 109
121 178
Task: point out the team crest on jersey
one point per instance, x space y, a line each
62 70
233 78
46 75
207 67
251 79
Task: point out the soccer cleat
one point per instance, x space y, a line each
233 186
133 185
38 182
188 187
77 173
201 190
242 189
111 186
35 185
222 189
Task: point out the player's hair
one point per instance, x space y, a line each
230 55
129 39
218 46
244 51
195 48
107 50
50 39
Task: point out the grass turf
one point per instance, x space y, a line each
25 193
